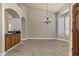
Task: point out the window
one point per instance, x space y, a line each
63 26
67 25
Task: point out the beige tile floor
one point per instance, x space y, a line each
39 47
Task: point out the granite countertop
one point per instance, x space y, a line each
12 32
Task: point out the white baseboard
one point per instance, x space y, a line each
48 38
11 48
41 38
62 39
24 38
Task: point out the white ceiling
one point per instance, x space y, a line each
53 7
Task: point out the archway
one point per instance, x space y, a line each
12 29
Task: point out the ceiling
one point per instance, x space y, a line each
53 7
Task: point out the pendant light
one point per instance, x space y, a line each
47 20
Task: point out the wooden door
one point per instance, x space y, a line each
75 30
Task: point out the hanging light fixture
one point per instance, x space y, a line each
47 20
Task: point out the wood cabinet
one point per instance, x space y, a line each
12 40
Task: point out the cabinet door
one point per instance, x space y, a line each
10 41
7 42
16 38
13 40
19 38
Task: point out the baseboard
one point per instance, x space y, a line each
11 48
41 38
48 38
62 39
24 38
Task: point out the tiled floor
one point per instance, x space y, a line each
39 47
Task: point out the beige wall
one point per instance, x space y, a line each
38 29
0 27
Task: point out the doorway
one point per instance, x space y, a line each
12 29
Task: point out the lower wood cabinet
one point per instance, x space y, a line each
18 37
7 42
11 40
